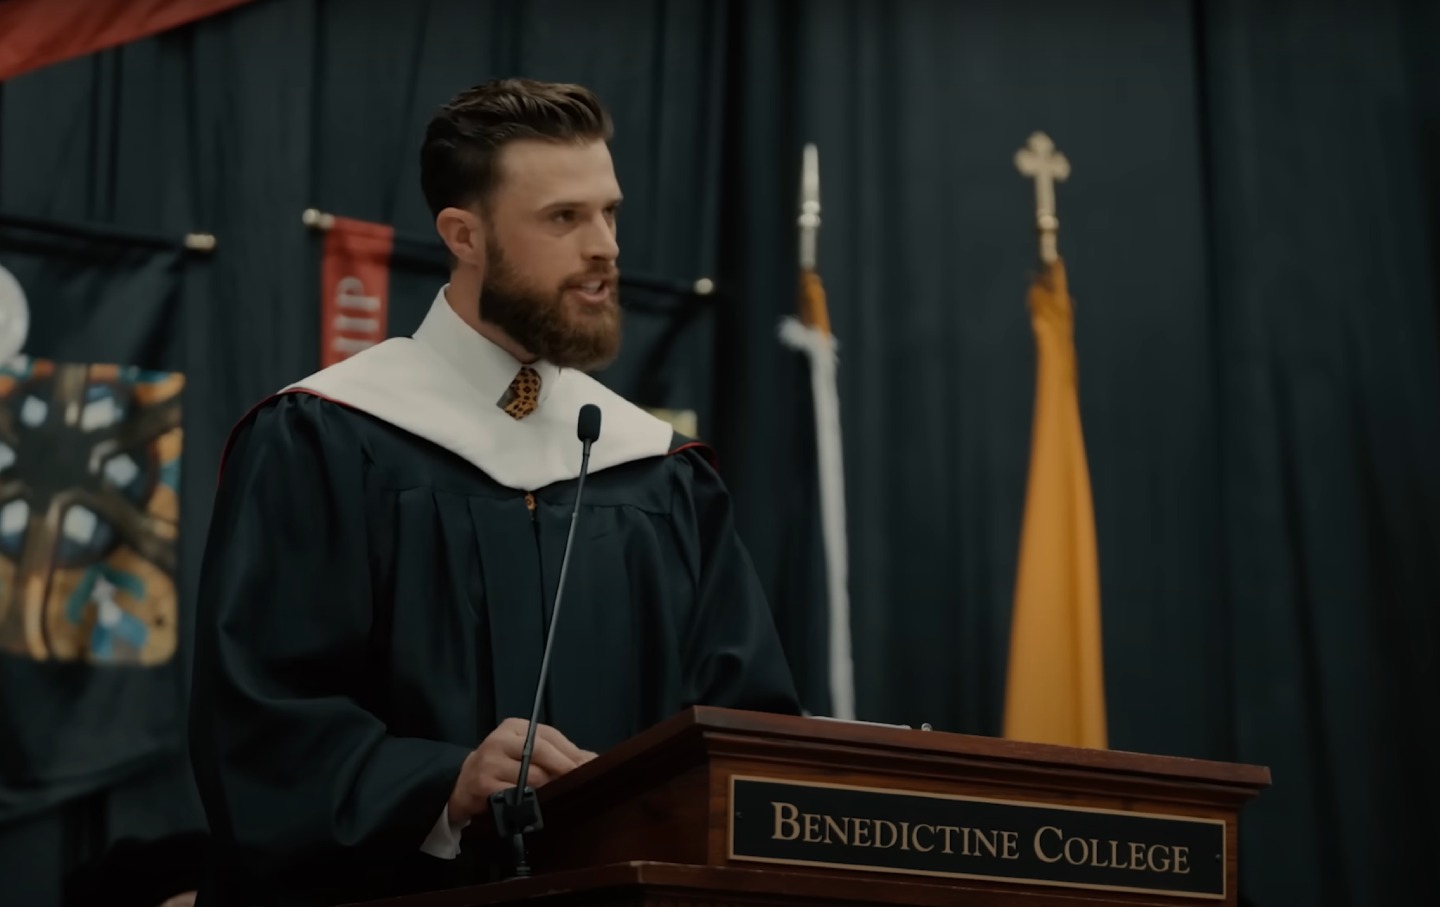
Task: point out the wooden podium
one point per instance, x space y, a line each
722 807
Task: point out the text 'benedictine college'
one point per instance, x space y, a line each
1049 844
1099 846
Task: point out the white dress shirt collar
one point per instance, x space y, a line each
479 360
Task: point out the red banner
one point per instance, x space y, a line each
354 288
37 33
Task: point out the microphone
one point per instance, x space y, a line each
517 809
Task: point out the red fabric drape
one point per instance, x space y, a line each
354 288
36 33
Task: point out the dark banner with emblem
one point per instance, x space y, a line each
90 456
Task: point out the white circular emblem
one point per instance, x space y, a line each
14 316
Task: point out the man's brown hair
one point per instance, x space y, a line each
464 138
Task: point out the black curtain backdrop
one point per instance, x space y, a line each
1251 236
1252 231
1326 356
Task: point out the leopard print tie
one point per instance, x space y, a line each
524 393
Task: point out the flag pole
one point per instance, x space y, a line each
1055 688
810 333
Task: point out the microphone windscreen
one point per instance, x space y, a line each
587 427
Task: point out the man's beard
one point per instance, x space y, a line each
584 337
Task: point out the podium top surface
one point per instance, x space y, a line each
705 729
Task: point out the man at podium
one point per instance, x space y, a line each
388 536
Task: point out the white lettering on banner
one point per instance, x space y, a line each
350 296
366 325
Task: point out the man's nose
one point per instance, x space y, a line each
601 243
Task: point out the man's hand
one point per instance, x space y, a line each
495 765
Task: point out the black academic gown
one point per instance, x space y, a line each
371 607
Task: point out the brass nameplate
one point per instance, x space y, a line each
860 828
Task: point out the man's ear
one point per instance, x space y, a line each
463 233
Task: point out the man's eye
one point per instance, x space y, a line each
563 217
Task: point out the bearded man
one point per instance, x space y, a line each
387 537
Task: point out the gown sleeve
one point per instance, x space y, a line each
733 653
294 772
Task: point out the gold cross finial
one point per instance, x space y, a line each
1041 161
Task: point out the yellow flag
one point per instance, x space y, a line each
1055 690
